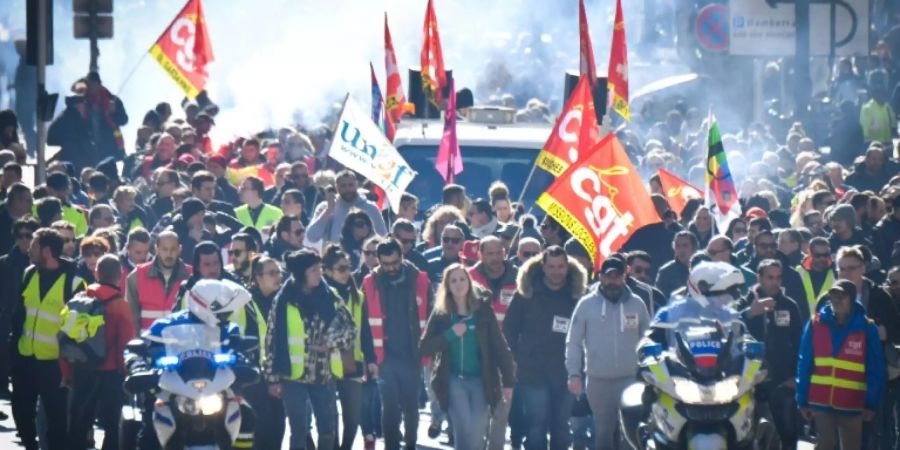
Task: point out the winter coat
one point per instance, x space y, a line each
72 133
537 322
779 329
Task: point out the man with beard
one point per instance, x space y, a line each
605 321
330 214
151 287
637 278
243 249
397 296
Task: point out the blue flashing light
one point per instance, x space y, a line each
167 362
225 359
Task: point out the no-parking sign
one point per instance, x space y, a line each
711 28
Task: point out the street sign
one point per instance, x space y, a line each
767 28
81 28
711 27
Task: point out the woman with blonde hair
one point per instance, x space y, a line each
473 367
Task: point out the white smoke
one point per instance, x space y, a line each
280 60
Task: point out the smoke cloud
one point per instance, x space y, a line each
279 62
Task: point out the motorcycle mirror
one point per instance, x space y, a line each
141 382
137 347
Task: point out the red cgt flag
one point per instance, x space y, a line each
575 130
395 101
601 200
588 68
184 49
677 191
434 78
618 67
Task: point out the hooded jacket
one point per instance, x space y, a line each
605 333
875 365
538 320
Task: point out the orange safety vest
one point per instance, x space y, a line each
838 381
500 301
155 301
376 314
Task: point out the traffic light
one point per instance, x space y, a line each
93 19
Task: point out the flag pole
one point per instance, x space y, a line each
131 74
527 183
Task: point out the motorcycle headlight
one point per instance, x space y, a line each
210 404
725 391
207 406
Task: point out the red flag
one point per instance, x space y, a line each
677 191
434 78
588 68
395 102
184 49
575 129
449 160
618 67
601 200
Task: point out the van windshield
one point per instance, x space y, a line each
482 166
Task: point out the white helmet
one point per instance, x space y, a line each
213 301
718 283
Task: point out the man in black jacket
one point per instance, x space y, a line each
71 130
674 274
12 266
18 204
535 327
775 319
638 280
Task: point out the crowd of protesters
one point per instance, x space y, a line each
496 316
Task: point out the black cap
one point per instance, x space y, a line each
845 287
612 264
191 206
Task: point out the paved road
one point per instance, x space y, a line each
8 440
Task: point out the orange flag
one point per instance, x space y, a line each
575 129
601 200
184 49
677 191
434 78
618 67
395 101
588 68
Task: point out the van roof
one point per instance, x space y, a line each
429 132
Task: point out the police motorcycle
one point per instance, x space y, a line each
192 365
698 387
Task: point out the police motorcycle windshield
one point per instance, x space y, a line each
194 352
705 350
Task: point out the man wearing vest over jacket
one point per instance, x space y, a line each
153 286
46 287
398 297
498 276
816 275
254 213
841 370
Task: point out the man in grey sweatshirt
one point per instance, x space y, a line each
606 326
329 215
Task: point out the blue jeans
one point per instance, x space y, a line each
296 398
370 420
469 412
437 414
547 410
518 424
399 385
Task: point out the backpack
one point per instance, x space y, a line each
82 334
